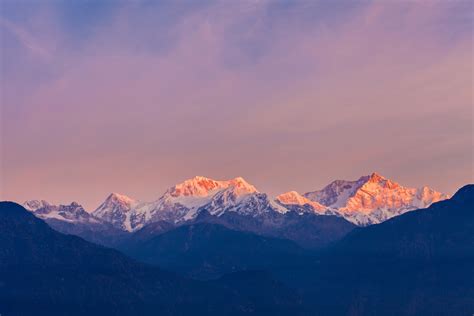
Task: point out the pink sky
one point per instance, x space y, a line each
135 99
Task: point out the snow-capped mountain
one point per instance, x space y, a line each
117 210
33 205
373 199
336 193
368 200
72 219
250 204
300 204
194 193
72 213
184 201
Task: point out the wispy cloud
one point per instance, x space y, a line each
26 39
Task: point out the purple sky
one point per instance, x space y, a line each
133 97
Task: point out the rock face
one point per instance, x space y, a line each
117 210
374 192
33 205
72 219
293 198
72 213
369 200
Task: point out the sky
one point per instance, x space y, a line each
136 96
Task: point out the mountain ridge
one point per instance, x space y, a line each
369 200
373 199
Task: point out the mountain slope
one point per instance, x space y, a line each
294 199
74 220
72 213
209 250
39 266
373 199
117 210
44 271
308 230
419 263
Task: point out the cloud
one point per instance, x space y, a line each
26 39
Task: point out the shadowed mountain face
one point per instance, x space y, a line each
307 230
43 270
206 250
72 219
420 263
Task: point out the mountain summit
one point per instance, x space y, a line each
116 210
293 198
181 202
202 186
373 198
72 213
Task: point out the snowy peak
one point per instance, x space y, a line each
240 187
379 193
72 213
198 191
375 177
294 198
378 180
197 186
179 203
115 210
240 183
428 195
337 192
119 199
373 198
33 205
114 203
367 200
183 200
202 186
251 204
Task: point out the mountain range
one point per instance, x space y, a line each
417 263
369 200
312 220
